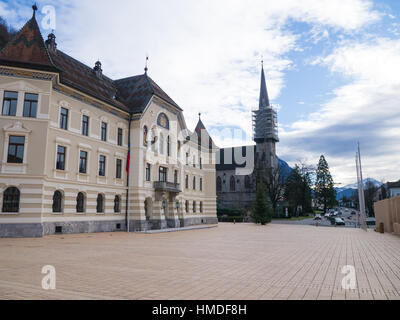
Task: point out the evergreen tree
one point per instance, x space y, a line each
262 209
298 189
324 186
293 189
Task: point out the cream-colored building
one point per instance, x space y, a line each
66 134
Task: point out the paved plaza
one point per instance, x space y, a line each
232 261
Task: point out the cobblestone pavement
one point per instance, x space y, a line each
241 261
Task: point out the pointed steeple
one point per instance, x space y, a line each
27 46
264 100
203 136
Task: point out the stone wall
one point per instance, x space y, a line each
388 212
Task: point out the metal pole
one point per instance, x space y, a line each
358 189
361 192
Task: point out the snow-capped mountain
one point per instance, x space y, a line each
348 191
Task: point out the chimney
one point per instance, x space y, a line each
51 43
97 69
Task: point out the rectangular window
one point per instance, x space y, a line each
85 125
194 161
16 149
83 162
187 182
64 118
30 105
176 176
201 163
61 151
163 174
187 159
201 184
148 172
10 103
118 173
104 131
120 136
102 166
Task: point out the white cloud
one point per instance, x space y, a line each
367 108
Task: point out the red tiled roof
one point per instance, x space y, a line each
137 91
27 47
83 78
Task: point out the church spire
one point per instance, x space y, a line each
264 100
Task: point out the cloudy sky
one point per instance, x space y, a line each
332 67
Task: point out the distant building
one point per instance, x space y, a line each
239 168
388 190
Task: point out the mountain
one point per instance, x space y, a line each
348 191
285 169
355 185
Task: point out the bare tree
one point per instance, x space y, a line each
274 182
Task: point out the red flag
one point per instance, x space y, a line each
128 161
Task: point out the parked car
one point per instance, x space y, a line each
317 217
353 213
371 222
338 221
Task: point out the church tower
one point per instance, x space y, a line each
265 125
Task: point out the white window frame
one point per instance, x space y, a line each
16 129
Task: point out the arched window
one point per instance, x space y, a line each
11 200
145 133
161 144
247 182
80 203
117 204
219 184
100 203
57 201
232 184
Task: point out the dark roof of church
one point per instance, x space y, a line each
230 163
137 91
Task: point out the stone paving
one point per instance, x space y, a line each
232 261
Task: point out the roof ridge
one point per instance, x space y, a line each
83 64
15 35
129 78
41 44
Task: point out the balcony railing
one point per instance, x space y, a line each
167 186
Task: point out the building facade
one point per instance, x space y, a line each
81 152
240 168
